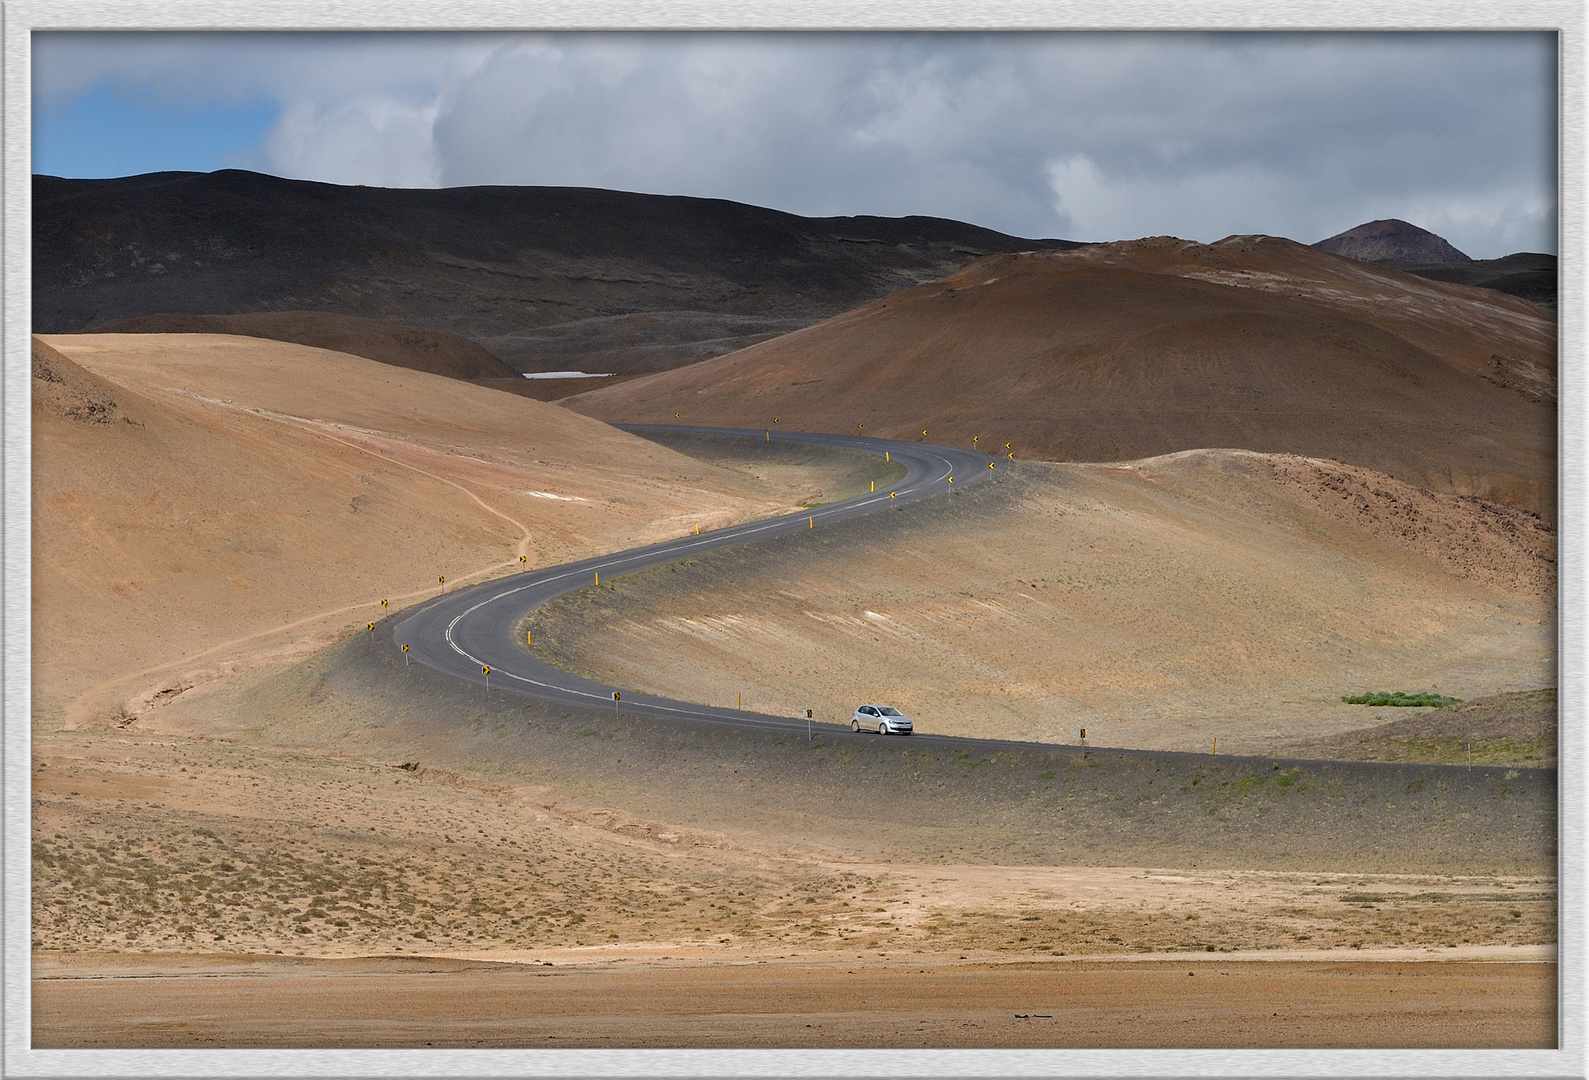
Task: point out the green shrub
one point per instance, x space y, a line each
1400 699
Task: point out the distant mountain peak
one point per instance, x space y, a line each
1392 240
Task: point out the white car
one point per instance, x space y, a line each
883 719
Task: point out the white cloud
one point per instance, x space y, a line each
1092 136
366 140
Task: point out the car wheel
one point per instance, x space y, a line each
882 727
855 726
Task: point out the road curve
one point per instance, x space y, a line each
463 632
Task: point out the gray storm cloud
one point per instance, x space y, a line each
1087 136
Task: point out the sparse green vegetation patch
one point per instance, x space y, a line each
1397 698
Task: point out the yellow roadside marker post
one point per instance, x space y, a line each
874 485
739 701
598 577
529 638
813 521
974 439
1215 750
886 457
768 434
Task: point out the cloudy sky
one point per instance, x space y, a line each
1082 136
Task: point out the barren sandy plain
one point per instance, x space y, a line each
245 838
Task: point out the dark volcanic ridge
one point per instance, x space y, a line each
1391 239
547 278
1527 275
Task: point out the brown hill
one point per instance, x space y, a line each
1129 350
402 346
1392 239
206 504
1159 604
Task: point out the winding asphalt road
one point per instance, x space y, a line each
464 632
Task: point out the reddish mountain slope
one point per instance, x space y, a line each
1128 350
1393 239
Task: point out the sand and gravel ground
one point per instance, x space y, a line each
229 1001
228 849
199 892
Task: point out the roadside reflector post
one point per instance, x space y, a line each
739 701
886 457
615 703
1468 746
405 656
1081 733
442 581
1215 750
768 434
487 669
874 485
813 521
808 725
529 638
598 577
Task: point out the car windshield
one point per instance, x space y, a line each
889 710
